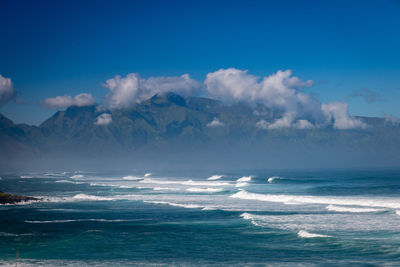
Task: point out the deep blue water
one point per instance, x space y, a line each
287 218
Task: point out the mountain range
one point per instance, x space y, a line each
172 128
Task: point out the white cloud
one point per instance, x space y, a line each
279 91
262 124
390 119
7 91
282 92
303 124
103 119
337 112
131 89
215 123
60 102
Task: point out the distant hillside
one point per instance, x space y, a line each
172 125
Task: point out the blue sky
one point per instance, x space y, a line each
51 48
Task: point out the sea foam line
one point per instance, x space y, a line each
351 209
293 199
187 206
204 190
188 182
305 234
214 177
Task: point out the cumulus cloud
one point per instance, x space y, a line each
279 91
337 113
103 119
368 95
285 122
215 123
131 89
7 91
390 119
60 102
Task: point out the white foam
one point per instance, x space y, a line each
132 178
90 197
77 176
273 178
164 189
244 179
187 206
26 176
383 202
214 177
68 181
241 184
147 174
398 212
205 190
305 234
188 182
351 209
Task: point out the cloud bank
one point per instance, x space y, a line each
131 89
60 102
281 92
7 91
215 123
103 119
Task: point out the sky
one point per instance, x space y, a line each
349 49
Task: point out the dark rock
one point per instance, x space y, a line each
13 199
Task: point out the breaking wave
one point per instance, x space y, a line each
273 178
77 176
214 177
90 197
351 209
244 179
187 206
345 201
188 182
204 190
305 234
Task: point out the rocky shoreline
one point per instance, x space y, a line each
14 199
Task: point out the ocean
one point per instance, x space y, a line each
192 218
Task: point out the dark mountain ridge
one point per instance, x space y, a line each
170 126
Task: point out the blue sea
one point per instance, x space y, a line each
191 218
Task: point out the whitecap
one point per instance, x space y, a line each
273 178
187 206
77 176
147 174
305 234
214 177
68 181
90 197
241 184
298 199
204 190
188 182
132 178
26 176
351 209
245 179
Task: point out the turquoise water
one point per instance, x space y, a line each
286 218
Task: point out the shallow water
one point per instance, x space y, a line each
286 218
